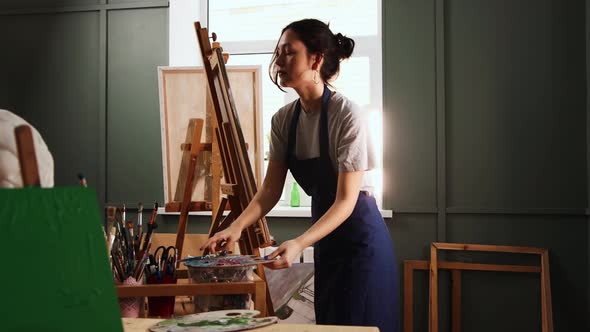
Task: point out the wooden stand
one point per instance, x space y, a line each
240 186
191 148
219 142
229 153
183 287
26 156
257 287
456 267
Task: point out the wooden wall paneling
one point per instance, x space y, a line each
136 47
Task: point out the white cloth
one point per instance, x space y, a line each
10 174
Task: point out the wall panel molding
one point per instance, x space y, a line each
441 145
86 8
495 211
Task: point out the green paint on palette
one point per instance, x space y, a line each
218 322
215 321
57 275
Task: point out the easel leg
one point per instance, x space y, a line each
188 188
26 156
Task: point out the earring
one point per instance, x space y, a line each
315 77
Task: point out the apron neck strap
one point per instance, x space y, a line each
324 143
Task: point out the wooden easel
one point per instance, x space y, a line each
229 144
190 151
26 156
182 203
257 287
240 186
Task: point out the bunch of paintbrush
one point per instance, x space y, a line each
110 229
125 266
146 240
128 248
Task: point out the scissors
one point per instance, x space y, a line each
166 258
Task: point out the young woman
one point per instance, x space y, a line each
321 138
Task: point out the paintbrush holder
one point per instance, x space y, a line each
130 306
204 303
161 306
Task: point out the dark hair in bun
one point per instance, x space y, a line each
318 38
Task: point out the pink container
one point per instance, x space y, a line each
130 306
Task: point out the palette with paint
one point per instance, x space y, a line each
215 321
225 261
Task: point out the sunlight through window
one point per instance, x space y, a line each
249 30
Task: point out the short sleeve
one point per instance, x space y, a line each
278 139
352 149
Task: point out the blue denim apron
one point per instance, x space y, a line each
356 280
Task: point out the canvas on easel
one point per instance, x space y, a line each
184 96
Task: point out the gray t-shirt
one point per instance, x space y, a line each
350 146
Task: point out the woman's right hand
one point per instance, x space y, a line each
223 240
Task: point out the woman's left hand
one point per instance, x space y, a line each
287 251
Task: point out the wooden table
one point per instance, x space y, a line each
142 325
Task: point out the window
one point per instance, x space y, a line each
249 31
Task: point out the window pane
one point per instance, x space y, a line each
354 80
249 30
272 97
233 19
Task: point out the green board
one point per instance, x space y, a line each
55 269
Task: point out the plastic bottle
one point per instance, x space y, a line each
295 195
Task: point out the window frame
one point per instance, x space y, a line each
365 46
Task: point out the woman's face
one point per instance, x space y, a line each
293 63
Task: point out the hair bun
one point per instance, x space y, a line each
345 45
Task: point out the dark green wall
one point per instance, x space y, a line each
588 139
486 124
84 73
486 128
51 77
